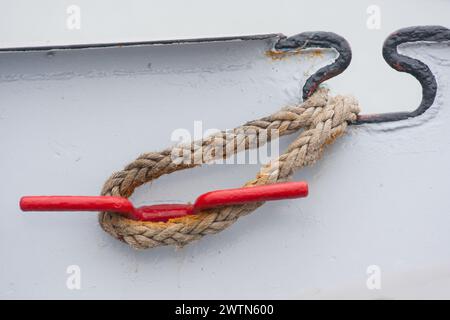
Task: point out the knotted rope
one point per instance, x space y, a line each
323 119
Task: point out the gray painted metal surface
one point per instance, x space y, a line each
70 118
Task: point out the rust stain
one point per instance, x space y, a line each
280 54
317 53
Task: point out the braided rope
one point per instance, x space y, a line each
323 119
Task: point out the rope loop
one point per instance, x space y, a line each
323 118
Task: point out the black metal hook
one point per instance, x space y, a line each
319 39
412 66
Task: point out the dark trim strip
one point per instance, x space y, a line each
140 43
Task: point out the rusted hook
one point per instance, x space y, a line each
319 39
416 68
